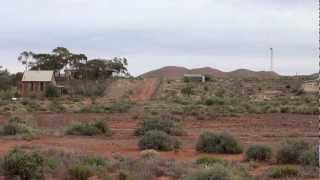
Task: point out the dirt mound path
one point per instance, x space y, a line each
146 90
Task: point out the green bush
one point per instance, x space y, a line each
290 151
80 172
89 129
56 106
214 101
310 157
215 172
31 105
95 162
51 91
209 161
159 140
283 172
187 91
18 163
120 106
210 142
169 126
259 152
18 127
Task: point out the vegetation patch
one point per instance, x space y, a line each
19 128
290 150
89 129
159 140
210 142
165 124
25 166
284 172
208 161
216 171
259 152
80 172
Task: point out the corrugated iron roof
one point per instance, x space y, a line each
38 76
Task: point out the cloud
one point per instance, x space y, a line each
167 31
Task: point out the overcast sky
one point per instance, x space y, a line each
223 34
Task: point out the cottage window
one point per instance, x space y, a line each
31 86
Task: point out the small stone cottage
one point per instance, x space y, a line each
35 82
311 86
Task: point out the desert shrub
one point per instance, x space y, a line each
80 172
125 176
215 172
214 101
107 178
259 152
56 106
121 106
209 161
290 151
51 91
187 91
159 140
18 127
31 105
95 161
283 172
149 153
210 142
89 129
309 157
18 163
169 126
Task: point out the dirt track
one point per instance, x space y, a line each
146 91
263 129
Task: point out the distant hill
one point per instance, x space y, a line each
245 73
174 72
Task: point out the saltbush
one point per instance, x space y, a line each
25 166
283 172
120 106
209 161
310 157
89 129
169 126
210 142
290 151
159 140
215 172
80 172
18 127
259 152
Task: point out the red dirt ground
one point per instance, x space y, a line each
250 129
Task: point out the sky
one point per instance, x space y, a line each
222 34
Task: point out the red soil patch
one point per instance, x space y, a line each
250 129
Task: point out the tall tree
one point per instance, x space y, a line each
26 58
